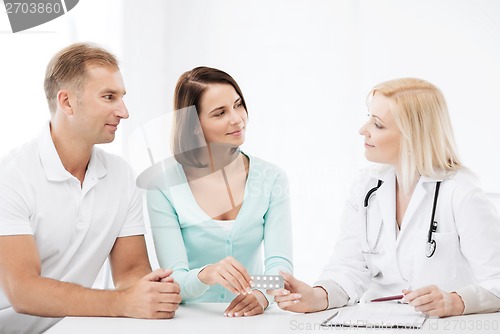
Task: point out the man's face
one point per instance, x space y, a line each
99 107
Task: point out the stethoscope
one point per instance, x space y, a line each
431 243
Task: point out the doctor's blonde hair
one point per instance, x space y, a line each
427 142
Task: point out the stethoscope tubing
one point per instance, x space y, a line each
431 243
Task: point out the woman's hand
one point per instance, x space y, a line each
432 301
229 273
299 296
247 305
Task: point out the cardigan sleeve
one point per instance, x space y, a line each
169 245
278 230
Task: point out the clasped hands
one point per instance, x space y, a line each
155 296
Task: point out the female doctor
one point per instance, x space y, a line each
416 225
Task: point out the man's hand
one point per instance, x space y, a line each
155 296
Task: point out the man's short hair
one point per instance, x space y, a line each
67 69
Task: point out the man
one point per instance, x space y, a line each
67 205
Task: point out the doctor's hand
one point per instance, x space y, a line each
229 273
247 305
299 296
432 301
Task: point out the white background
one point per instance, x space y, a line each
305 68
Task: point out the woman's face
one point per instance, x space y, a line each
223 118
382 135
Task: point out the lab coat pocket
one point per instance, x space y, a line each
374 261
440 268
374 257
371 244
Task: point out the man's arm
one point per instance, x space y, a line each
129 261
30 293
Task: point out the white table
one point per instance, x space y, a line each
209 318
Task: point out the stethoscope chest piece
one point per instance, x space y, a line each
430 248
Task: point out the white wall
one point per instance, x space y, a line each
305 68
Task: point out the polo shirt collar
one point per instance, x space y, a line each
96 168
52 165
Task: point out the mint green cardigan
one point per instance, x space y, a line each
186 239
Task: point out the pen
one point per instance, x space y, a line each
384 299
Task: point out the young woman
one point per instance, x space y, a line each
418 226
214 207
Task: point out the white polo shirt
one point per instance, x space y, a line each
75 227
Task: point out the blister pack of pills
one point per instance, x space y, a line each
268 282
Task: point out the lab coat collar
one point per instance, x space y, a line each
387 199
424 188
424 179
387 173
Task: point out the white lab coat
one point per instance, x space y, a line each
468 240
